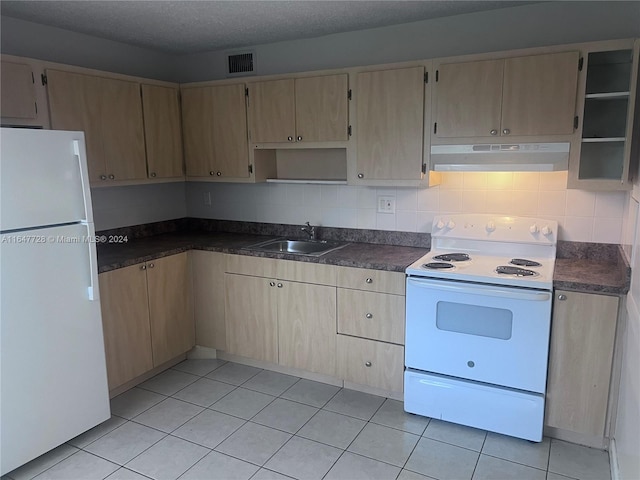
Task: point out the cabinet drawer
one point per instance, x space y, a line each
377 316
371 280
367 362
248 265
306 272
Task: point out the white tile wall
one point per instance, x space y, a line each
582 216
123 206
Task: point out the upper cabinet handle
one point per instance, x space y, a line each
494 132
506 131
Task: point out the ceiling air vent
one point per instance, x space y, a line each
240 63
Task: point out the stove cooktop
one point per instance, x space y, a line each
488 249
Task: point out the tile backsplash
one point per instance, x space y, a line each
583 216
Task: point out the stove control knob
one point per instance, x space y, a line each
534 228
491 226
546 231
440 224
451 224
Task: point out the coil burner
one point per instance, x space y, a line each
515 271
523 262
438 265
453 257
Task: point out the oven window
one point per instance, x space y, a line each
474 320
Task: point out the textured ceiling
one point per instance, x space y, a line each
195 26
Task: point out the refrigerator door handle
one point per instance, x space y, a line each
84 179
93 263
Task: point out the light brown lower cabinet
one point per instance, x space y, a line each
372 363
147 316
580 360
285 316
208 297
251 316
125 323
307 326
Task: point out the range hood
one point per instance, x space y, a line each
514 157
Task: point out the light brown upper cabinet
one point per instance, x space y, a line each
307 109
521 96
18 92
162 131
109 111
390 124
214 123
607 105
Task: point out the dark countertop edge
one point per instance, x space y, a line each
590 288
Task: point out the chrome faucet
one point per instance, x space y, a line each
309 230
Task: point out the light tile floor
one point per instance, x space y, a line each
207 419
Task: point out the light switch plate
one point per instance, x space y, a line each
386 204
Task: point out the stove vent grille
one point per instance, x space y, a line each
240 63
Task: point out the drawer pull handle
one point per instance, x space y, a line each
143 267
272 284
279 285
562 297
151 265
367 364
369 315
369 280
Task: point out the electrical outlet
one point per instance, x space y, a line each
207 198
386 204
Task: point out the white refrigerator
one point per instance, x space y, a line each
53 383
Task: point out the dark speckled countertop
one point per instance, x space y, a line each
362 255
585 267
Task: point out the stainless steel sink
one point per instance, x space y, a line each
299 247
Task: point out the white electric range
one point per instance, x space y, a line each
478 318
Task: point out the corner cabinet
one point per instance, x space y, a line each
511 97
214 122
390 111
580 361
608 99
147 316
304 109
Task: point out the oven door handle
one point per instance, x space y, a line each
510 293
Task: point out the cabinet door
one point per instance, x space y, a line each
251 317
468 99
125 322
162 131
170 307
18 91
581 352
539 94
321 108
390 107
208 297
272 111
122 129
307 326
215 131
75 104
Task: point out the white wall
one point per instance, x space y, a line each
123 206
546 23
28 39
583 216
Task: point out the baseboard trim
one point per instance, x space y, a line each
146 376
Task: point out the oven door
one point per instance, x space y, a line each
486 333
